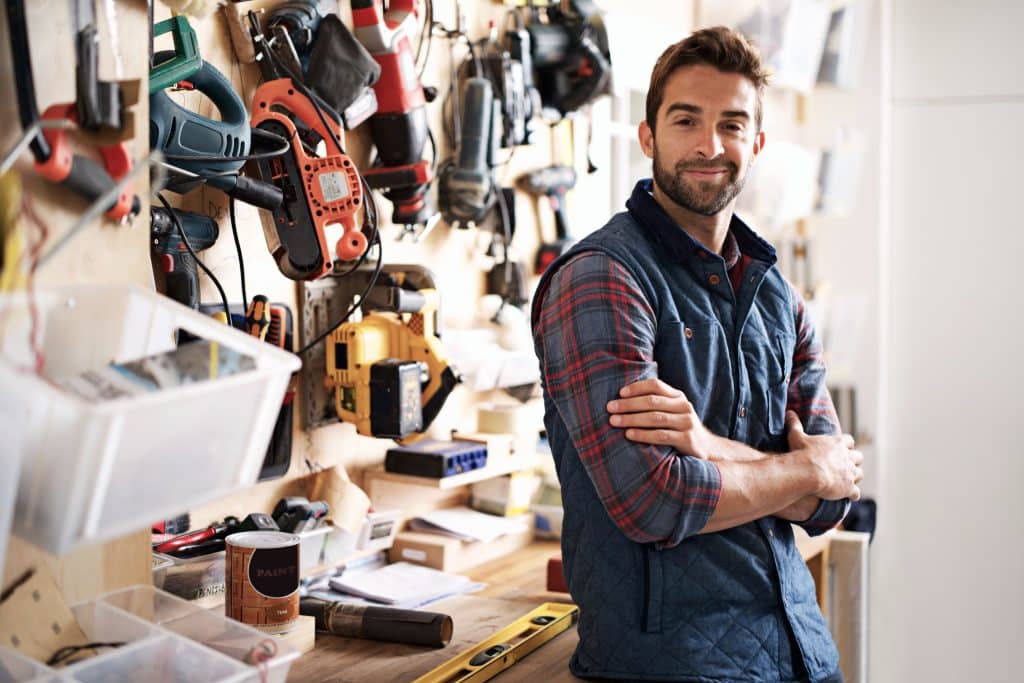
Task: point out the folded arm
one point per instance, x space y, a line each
595 333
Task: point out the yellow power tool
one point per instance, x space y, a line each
388 371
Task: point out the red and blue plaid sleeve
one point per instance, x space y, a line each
595 334
809 398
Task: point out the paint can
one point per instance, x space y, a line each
262 579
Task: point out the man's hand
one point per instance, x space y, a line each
837 464
653 412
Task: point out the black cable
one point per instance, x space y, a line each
433 151
367 222
355 304
69 651
192 252
428 31
238 248
506 228
375 240
301 87
245 157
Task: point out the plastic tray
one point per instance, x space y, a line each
10 461
161 563
92 471
167 640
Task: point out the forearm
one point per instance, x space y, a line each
755 489
735 451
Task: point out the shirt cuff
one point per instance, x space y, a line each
828 514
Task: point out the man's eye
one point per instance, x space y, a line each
684 122
733 127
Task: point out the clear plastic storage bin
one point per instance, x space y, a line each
10 461
92 471
166 640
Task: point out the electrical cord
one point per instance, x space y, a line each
192 252
301 87
69 651
426 33
348 314
238 249
287 147
506 228
371 206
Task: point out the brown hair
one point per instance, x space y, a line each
719 47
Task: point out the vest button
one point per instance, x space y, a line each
743 411
714 279
688 333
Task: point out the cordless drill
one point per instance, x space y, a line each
399 128
552 182
177 264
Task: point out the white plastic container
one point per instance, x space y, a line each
161 563
167 640
10 462
208 628
311 547
92 471
15 668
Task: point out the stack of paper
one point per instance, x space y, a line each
403 584
469 525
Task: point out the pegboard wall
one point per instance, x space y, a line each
107 252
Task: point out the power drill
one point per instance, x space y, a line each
399 128
177 264
552 182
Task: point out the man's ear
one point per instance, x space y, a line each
759 141
646 136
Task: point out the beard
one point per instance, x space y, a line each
701 197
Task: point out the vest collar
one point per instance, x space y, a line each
649 213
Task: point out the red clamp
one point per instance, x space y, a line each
57 168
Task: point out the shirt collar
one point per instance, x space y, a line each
739 240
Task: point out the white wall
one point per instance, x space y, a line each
949 600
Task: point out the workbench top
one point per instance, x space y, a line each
516 584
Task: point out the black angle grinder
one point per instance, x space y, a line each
465 192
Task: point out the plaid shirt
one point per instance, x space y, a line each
596 329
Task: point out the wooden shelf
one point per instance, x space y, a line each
496 468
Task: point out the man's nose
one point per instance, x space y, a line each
710 144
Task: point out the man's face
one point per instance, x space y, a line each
706 138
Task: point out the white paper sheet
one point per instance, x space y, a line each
467 524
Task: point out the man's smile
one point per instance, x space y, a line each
707 173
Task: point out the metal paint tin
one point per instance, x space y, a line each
262 580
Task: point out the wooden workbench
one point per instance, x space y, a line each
515 585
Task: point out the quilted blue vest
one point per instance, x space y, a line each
737 605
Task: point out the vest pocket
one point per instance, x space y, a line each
651 618
776 394
690 357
